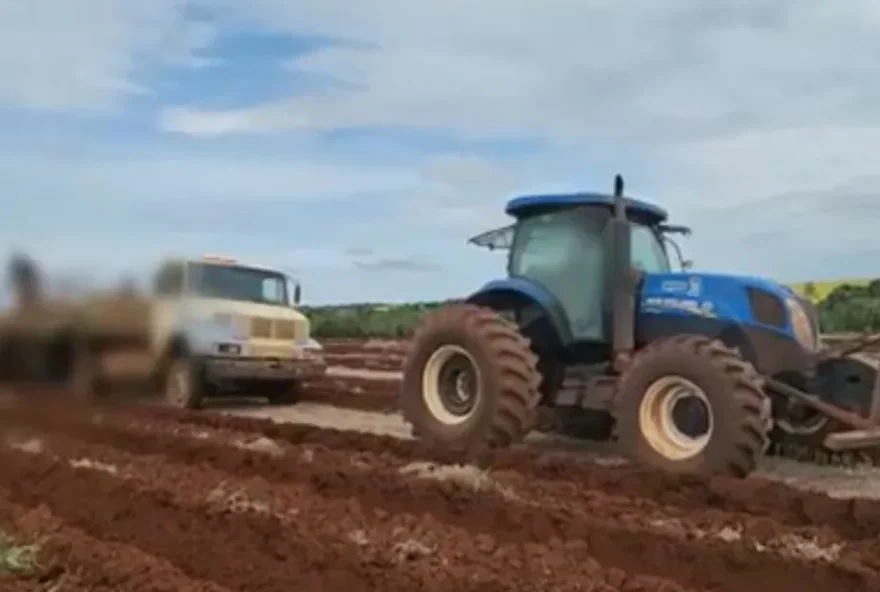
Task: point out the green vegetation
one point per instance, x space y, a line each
844 306
851 307
16 558
389 321
818 291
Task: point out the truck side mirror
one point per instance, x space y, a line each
297 294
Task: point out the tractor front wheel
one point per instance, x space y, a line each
470 380
689 404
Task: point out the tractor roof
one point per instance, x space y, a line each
520 207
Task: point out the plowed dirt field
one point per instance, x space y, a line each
139 498
133 497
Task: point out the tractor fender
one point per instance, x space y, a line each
521 293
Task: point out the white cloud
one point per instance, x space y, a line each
703 105
87 54
193 122
188 176
711 109
564 68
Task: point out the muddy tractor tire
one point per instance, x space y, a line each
689 404
470 380
185 386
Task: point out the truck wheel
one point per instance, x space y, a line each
689 404
470 380
185 385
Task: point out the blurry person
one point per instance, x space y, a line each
23 277
27 356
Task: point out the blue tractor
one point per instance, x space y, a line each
687 372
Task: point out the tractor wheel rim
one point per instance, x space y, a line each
660 426
450 385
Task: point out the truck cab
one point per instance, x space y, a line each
237 326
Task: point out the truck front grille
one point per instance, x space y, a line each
261 327
285 330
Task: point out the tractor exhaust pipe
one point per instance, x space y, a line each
622 283
619 204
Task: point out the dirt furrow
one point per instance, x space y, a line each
853 518
581 504
383 551
365 346
365 360
244 552
377 400
73 560
628 539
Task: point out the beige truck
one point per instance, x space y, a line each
211 326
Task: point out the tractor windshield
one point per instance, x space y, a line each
648 252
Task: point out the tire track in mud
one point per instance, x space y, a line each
416 551
625 539
853 518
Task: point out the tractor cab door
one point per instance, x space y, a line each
647 252
563 251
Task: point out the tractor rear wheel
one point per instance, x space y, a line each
689 404
470 380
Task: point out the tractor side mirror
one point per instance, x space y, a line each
297 294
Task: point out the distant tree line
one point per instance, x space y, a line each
846 308
850 308
385 321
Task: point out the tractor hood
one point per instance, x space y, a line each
740 299
697 284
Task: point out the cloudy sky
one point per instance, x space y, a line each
361 143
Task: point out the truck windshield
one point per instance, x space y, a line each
648 253
233 282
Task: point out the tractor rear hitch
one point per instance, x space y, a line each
865 432
843 416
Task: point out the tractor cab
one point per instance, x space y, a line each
572 249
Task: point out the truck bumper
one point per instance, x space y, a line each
304 367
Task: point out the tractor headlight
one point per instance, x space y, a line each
801 325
